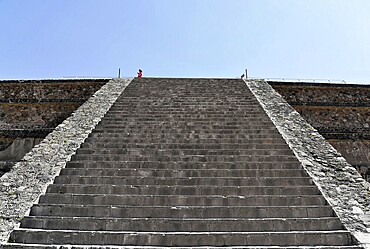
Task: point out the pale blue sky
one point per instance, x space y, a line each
315 39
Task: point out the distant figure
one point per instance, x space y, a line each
140 73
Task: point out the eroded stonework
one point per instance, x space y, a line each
341 184
48 90
30 109
340 113
22 186
323 94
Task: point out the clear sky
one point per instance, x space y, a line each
314 39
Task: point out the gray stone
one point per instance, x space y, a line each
28 179
309 146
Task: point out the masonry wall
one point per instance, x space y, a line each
340 112
30 109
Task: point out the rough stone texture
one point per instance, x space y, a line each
337 119
19 147
34 115
28 179
341 114
45 103
181 133
340 183
323 94
356 152
48 90
30 109
14 144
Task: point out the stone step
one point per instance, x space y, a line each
188 181
186 89
195 111
189 108
216 119
182 190
237 102
184 173
183 139
291 164
127 117
122 238
182 146
183 98
185 158
189 104
181 131
250 129
182 118
147 152
160 95
176 125
119 211
144 119
152 97
186 132
207 104
257 129
65 246
182 225
178 200
202 122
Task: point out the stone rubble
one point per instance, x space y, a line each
27 181
342 186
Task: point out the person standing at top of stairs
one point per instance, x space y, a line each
140 73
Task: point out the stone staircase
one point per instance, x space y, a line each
183 163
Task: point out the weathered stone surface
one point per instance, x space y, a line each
35 115
48 90
46 103
329 170
28 179
340 113
341 184
18 148
336 119
30 109
356 152
204 134
323 94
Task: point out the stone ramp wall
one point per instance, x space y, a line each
340 112
21 187
30 109
344 188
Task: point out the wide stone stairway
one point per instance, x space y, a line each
183 163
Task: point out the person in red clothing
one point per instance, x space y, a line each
140 73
